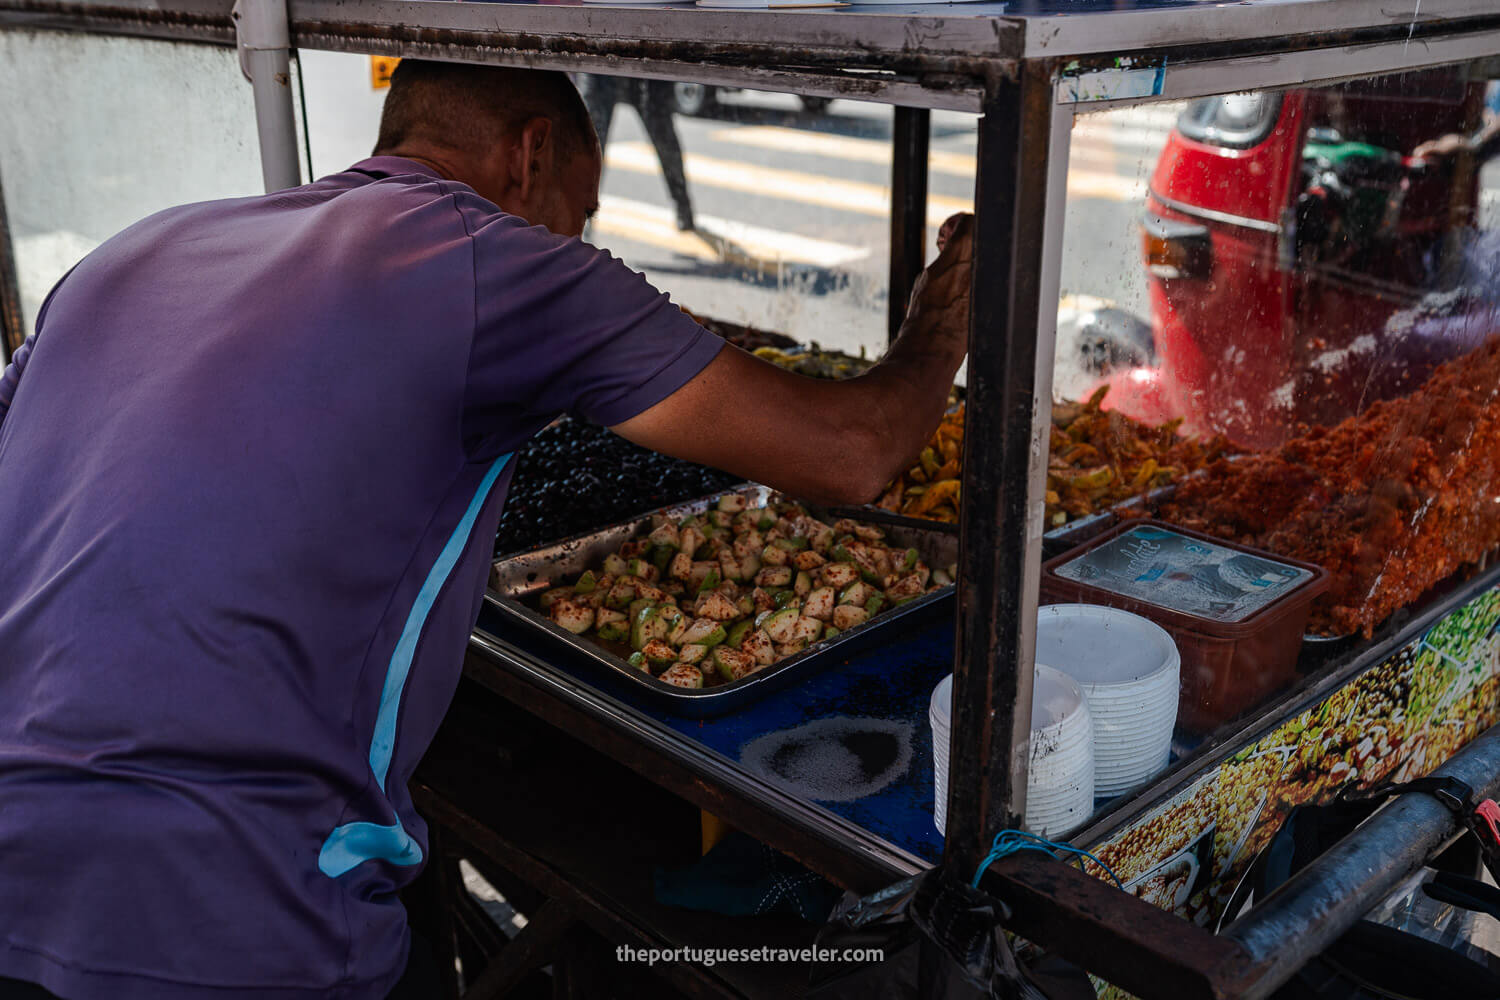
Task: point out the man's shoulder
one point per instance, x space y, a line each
351 218
398 177
353 200
401 179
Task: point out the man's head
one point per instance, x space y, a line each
521 138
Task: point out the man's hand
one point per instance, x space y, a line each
1441 148
940 297
956 223
1484 144
838 442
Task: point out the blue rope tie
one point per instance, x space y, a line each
1008 842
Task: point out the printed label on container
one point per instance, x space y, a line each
1184 574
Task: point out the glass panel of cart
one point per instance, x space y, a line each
1275 421
758 210
766 215
93 147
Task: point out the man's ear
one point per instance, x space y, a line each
535 150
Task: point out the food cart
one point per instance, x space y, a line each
1415 690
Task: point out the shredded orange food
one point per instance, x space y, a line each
1098 459
1389 502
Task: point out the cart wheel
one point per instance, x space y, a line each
693 98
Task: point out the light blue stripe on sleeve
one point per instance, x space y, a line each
353 843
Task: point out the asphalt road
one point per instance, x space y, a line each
793 212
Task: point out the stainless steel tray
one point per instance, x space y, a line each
1076 532
515 578
871 514
1057 540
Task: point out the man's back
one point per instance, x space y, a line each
239 479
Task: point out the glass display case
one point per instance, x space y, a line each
1314 269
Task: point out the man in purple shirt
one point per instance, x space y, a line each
251 467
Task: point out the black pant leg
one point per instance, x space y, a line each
420 981
601 95
655 108
15 989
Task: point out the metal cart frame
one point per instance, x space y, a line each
1028 70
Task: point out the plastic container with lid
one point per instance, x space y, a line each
1237 614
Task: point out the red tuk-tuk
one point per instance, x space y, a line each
1302 263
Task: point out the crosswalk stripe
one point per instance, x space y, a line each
1090 142
1085 158
1109 186
1120 142
786 185
792 140
845 195
728 241
725 240
1161 117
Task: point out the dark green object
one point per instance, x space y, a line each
742 877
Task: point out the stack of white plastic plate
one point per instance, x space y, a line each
940 714
1128 667
1060 786
1060 781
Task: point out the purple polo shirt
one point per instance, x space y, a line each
250 473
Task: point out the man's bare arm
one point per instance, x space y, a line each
836 442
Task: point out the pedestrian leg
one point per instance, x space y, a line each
656 114
600 95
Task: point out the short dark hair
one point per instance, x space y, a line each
463 106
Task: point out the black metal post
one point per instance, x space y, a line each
1000 556
11 331
1119 937
910 137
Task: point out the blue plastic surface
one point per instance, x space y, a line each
886 690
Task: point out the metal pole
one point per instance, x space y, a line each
909 141
1005 457
1314 909
12 332
264 41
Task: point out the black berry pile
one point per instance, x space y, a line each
575 477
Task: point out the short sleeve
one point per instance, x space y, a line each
563 327
10 378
